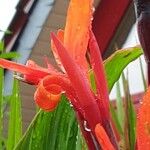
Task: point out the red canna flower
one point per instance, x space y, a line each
69 48
143 123
75 37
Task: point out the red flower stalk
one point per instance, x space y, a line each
69 48
80 83
101 83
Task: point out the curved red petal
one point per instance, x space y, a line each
80 83
47 96
49 90
75 73
101 83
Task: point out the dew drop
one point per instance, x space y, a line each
77 57
147 126
85 127
71 105
141 102
92 18
93 9
78 28
63 92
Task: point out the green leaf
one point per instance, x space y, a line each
92 80
116 63
115 119
142 74
119 104
9 55
80 144
15 119
8 32
132 124
1 106
1 46
130 120
52 130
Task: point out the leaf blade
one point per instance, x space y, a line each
15 122
9 55
123 58
57 130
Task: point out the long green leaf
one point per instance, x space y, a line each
6 31
51 131
115 64
130 121
80 144
132 124
119 104
1 102
92 80
9 55
1 46
142 74
15 119
115 119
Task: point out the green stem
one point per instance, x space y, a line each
143 77
1 102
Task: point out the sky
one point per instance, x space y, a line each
7 10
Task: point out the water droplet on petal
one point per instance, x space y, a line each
141 102
63 92
147 127
93 9
78 28
70 104
86 128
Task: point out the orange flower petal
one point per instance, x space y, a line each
77 27
102 138
47 96
143 123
